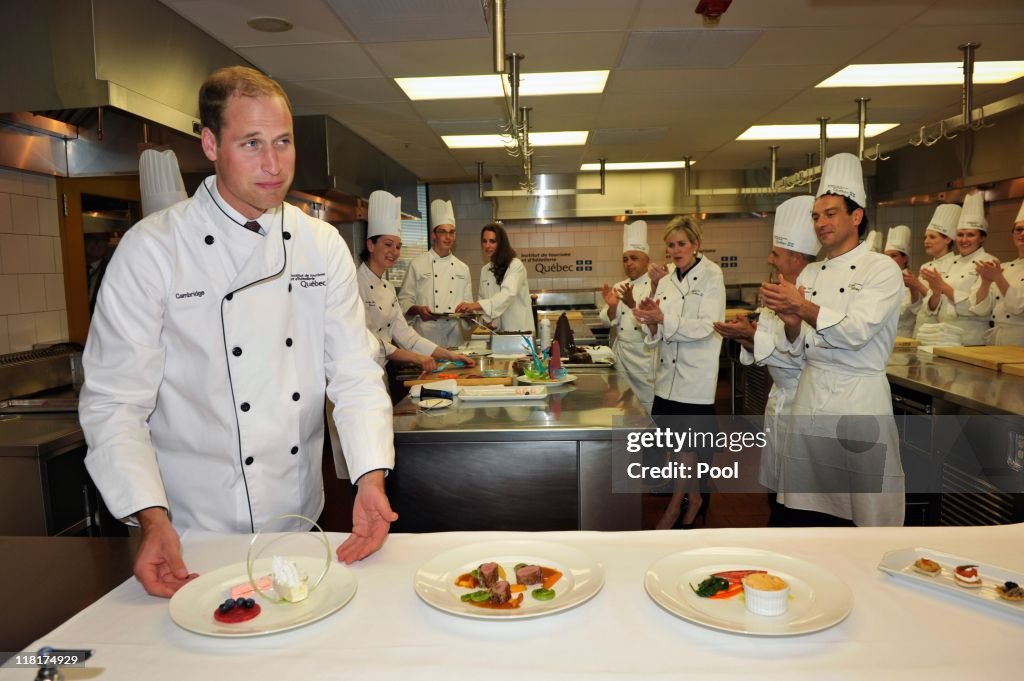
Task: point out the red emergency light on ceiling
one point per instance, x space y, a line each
712 10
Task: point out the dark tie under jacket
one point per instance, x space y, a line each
253 225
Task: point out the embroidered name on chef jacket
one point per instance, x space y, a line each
310 280
189 294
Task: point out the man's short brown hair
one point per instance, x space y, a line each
233 81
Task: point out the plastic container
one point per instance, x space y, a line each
545 333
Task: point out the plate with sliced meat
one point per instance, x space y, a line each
509 580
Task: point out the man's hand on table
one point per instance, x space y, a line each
371 519
158 564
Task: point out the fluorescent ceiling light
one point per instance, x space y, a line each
652 165
935 73
812 131
567 138
530 84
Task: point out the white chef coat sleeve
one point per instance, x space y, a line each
123 365
603 314
404 336
982 308
362 408
515 279
867 313
407 294
766 352
690 324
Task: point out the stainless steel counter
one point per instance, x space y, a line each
958 383
544 465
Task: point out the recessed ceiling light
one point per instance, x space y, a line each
490 85
651 165
935 73
569 138
812 131
270 24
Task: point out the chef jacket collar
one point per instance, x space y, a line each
438 257
266 220
369 272
852 254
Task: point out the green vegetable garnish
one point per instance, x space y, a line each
544 594
710 586
479 596
519 565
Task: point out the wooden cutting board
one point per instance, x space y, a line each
1013 369
498 380
987 356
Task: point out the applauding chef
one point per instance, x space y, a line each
841 318
938 244
897 247
794 246
437 281
1001 288
225 317
384 317
635 359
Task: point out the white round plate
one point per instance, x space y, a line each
818 599
192 605
433 403
473 352
582 577
547 381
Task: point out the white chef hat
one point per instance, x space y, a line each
874 241
441 213
634 237
384 215
899 239
1020 215
842 175
945 219
160 180
794 226
973 214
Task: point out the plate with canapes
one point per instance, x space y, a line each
760 593
982 583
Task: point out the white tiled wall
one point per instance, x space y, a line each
32 302
600 241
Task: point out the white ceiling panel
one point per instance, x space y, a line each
686 49
699 82
226 20
567 51
544 16
810 46
959 13
344 91
435 58
377 21
312 62
939 43
665 14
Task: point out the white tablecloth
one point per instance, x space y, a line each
896 630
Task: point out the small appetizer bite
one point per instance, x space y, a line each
967 576
927 567
1010 591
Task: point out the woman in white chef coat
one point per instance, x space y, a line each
950 295
504 289
679 317
1001 288
634 358
897 247
938 244
384 317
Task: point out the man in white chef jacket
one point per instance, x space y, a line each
225 317
634 359
794 247
840 317
437 281
897 247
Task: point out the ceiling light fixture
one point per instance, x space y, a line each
569 138
649 165
935 73
491 85
811 131
270 24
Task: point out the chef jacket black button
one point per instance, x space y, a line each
636 328
245 406
237 352
435 276
842 290
807 345
997 297
389 326
371 286
436 291
249 460
814 293
295 450
852 267
673 361
822 267
288 342
209 240
229 296
295 397
1007 316
286 235
289 288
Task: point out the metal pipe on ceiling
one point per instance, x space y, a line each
823 138
968 92
498 34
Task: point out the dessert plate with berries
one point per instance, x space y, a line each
217 603
987 585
